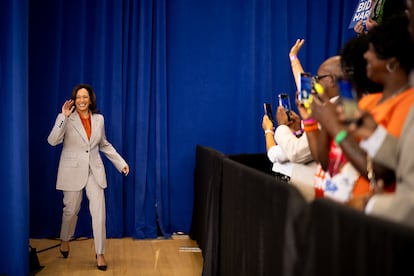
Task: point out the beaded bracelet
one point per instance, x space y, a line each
310 127
293 57
310 121
267 131
340 136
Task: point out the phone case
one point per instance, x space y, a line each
305 88
268 111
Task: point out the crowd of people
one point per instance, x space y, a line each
355 151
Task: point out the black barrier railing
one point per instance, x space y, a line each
246 222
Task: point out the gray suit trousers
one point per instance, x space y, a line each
72 202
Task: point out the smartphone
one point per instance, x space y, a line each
305 89
268 111
348 99
285 102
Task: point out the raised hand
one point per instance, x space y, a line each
359 27
267 123
325 113
68 107
281 116
295 48
303 112
294 122
370 23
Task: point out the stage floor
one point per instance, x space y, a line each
179 256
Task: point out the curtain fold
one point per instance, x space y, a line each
145 93
14 146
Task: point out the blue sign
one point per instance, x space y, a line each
362 12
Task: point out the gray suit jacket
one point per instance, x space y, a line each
80 154
398 154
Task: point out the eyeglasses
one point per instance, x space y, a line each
318 78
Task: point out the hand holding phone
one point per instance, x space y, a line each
305 89
284 101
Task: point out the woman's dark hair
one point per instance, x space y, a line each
354 66
392 39
392 8
92 96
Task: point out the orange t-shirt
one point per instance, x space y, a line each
391 114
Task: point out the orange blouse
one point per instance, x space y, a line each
391 114
86 122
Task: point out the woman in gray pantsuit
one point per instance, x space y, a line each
82 131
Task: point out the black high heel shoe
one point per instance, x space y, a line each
101 267
65 254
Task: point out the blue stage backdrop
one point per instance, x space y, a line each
168 75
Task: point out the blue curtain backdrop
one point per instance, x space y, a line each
168 75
